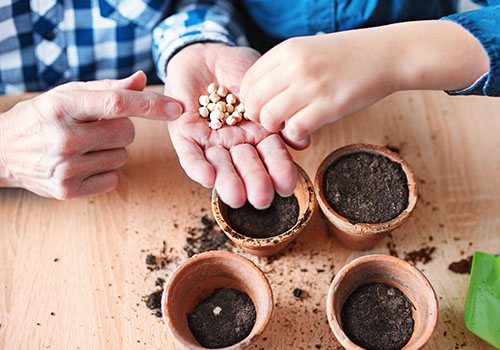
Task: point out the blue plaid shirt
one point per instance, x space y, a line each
48 42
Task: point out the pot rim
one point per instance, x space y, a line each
366 228
289 235
334 322
240 261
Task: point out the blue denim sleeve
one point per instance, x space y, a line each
484 24
195 21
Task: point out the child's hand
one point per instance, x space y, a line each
242 161
307 82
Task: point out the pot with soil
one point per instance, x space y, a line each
380 302
266 232
216 300
365 191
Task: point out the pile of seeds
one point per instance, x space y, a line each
220 107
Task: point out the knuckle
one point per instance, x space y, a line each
147 105
64 143
113 102
65 190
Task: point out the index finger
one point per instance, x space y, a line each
91 105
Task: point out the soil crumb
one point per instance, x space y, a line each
365 187
281 216
223 319
423 255
378 317
463 266
153 302
207 237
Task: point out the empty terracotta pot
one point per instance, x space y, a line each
304 192
393 272
362 236
198 277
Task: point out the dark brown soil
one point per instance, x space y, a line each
281 216
223 319
153 302
364 187
378 317
423 255
205 238
463 266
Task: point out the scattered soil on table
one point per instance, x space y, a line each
153 302
281 216
367 188
424 255
378 317
298 293
463 266
205 238
223 319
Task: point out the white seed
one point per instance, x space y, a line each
211 107
214 97
216 115
231 99
215 124
222 91
231 120
217 310
229 108
220 106
211 88
203 112
240 108
237 115
204 100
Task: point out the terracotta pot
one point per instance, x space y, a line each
304 191
391 271
362 236
198 277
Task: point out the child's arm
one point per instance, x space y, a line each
307 82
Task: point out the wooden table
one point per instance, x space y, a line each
73 274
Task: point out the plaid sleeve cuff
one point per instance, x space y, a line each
195 23
483 24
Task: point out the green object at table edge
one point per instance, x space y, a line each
482 306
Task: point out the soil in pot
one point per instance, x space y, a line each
366 188
281 216
224 318
377 316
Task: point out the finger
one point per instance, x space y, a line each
98 184
136 81
298 145
83 166
228 183
106 134
263 90
279 163
276 111
305 122
258 184
90 105
264 65
193 161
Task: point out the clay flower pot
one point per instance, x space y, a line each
362 236
304 192
394 272
198 277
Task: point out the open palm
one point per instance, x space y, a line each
243 161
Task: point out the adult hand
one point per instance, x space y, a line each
307 82
69 142
243 161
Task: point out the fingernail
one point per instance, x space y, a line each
173 110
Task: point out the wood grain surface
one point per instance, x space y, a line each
73 274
